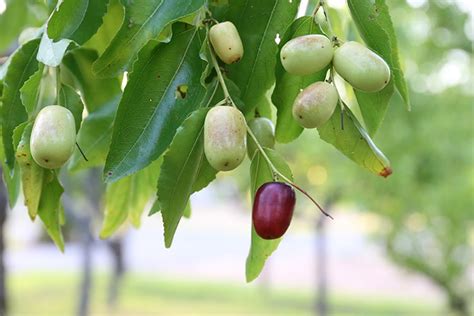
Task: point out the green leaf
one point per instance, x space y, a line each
179 171
101 97
128 197
260 173
289 86
205 175
11 178
144 20
109 28
354 142
51 53
373 106
50 208
187 210
69 98
76 20
258 22
30 92
31 174
22 66
96 92
374 23
17 16
94 137
151 110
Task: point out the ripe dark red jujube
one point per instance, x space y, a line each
273 209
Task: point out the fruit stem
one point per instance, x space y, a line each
324 5
82 153
316 9
219 74
252 135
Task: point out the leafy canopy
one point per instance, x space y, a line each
148 137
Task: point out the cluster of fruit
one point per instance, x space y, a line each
225 128
53 135
308 54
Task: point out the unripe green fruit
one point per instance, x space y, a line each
224 137
305 55
361 67
53 137
315 105
225 40
264 131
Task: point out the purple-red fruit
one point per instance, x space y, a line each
273 209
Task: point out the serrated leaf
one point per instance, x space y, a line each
260 173
31 174
22 66
69 98
128 198
288 86
30 92
51 53
50 208
76 20
151 111
258 22
179 171
354 142
144 20
374 23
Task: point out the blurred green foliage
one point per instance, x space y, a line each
426 207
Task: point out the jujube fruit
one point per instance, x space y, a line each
53 137
305 55
225 40
224 137
273 209
264 131
361 67
315 105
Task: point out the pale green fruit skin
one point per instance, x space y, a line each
224 137
264 131
315 105
361 67
307 54
53 137
225 40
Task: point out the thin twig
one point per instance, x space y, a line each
252 135
82 153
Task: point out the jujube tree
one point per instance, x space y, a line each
196 77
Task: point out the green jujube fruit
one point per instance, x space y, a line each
361 67
315 105
225 40
264 131
224 137
307 54
53 137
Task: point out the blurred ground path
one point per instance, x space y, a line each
213 245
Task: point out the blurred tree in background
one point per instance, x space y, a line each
426 206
